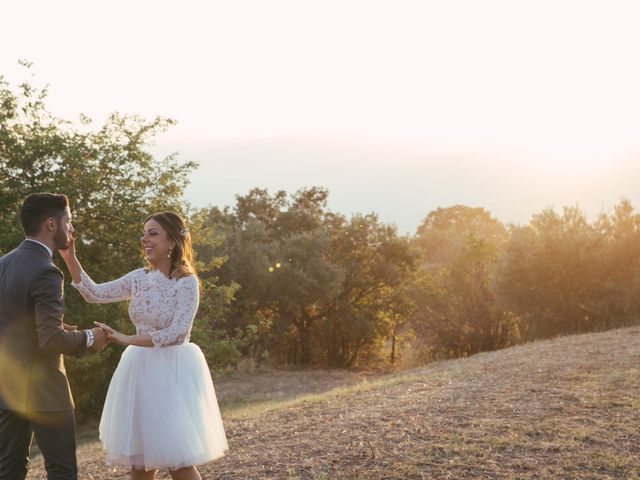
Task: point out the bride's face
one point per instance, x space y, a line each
155 242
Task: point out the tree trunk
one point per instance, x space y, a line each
393 348
304 341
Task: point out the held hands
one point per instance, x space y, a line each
100 339
113 335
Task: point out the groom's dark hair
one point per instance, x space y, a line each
37 207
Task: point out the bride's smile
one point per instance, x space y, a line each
156 244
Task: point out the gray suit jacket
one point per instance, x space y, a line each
32 339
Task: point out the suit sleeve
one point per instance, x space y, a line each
46 294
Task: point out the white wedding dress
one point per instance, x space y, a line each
161 409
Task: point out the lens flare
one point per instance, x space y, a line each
15 377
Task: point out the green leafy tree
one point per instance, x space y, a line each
620 266
562 274
276 252
458 312
443 234
305 282
220 349
314 285
363 315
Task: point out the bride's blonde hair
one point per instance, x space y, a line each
182 255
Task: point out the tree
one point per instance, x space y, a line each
276 251
457 310
314 285
620 265
443 233
457 313
306 281
220 349
562 274
376 262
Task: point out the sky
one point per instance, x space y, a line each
396 107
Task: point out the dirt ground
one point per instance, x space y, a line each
567 408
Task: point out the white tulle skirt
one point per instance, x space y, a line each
161 410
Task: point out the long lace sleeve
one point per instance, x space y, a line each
187 299
108 292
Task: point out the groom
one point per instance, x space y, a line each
35 398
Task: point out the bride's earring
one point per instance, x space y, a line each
169 254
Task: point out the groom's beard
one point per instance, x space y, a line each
60 240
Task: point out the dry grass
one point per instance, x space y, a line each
567 408
275 386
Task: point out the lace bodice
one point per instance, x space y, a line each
161 307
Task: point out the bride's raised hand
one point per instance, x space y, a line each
69 253
113 335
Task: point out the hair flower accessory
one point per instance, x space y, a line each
184 231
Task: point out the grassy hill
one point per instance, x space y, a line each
564 408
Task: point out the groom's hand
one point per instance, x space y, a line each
100 339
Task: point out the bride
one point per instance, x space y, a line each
161 410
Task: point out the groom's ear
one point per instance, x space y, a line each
50 224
